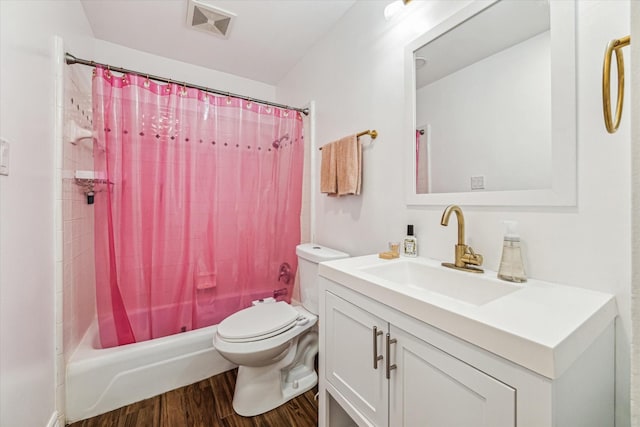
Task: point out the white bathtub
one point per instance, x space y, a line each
100 380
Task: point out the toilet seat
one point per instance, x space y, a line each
258 322
303 322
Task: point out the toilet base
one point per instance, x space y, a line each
263 392
261 389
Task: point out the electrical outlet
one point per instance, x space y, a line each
477 182
4 157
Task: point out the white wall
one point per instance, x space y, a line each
27 112
491 119
355 74
122 56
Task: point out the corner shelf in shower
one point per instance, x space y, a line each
83 182
87 181
88 178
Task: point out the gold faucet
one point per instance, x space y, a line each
466 258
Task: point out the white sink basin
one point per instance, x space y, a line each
531 324
472 288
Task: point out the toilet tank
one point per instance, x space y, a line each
309 255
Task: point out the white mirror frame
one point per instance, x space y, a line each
563 191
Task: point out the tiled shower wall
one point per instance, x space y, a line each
76 301
78 255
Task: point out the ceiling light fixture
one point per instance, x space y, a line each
393 8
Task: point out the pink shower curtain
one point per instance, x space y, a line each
201 209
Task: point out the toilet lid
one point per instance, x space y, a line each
258 321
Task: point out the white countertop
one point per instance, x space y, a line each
542 326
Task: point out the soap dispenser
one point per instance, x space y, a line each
410 243
511 266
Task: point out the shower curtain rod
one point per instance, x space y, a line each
70 60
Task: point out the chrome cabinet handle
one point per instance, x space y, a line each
390 367
376 357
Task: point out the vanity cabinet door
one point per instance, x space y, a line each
432 388
349 358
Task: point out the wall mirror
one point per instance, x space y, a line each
491 107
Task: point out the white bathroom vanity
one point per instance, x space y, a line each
407 342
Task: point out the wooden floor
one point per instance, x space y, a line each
206 404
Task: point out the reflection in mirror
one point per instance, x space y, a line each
483 103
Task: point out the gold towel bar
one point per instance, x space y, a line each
614 46
373 133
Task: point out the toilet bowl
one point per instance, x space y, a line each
274 344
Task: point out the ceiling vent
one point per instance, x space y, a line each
204 17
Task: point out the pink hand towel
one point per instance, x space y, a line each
341 167
328 177
349 165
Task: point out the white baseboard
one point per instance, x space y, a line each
53 421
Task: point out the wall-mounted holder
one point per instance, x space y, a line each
77 133
87 181
614 46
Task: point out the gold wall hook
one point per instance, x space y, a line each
614 46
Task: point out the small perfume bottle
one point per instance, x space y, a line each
511 265
410 243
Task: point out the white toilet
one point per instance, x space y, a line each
273 342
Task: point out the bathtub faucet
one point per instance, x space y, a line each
279 292
284 274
